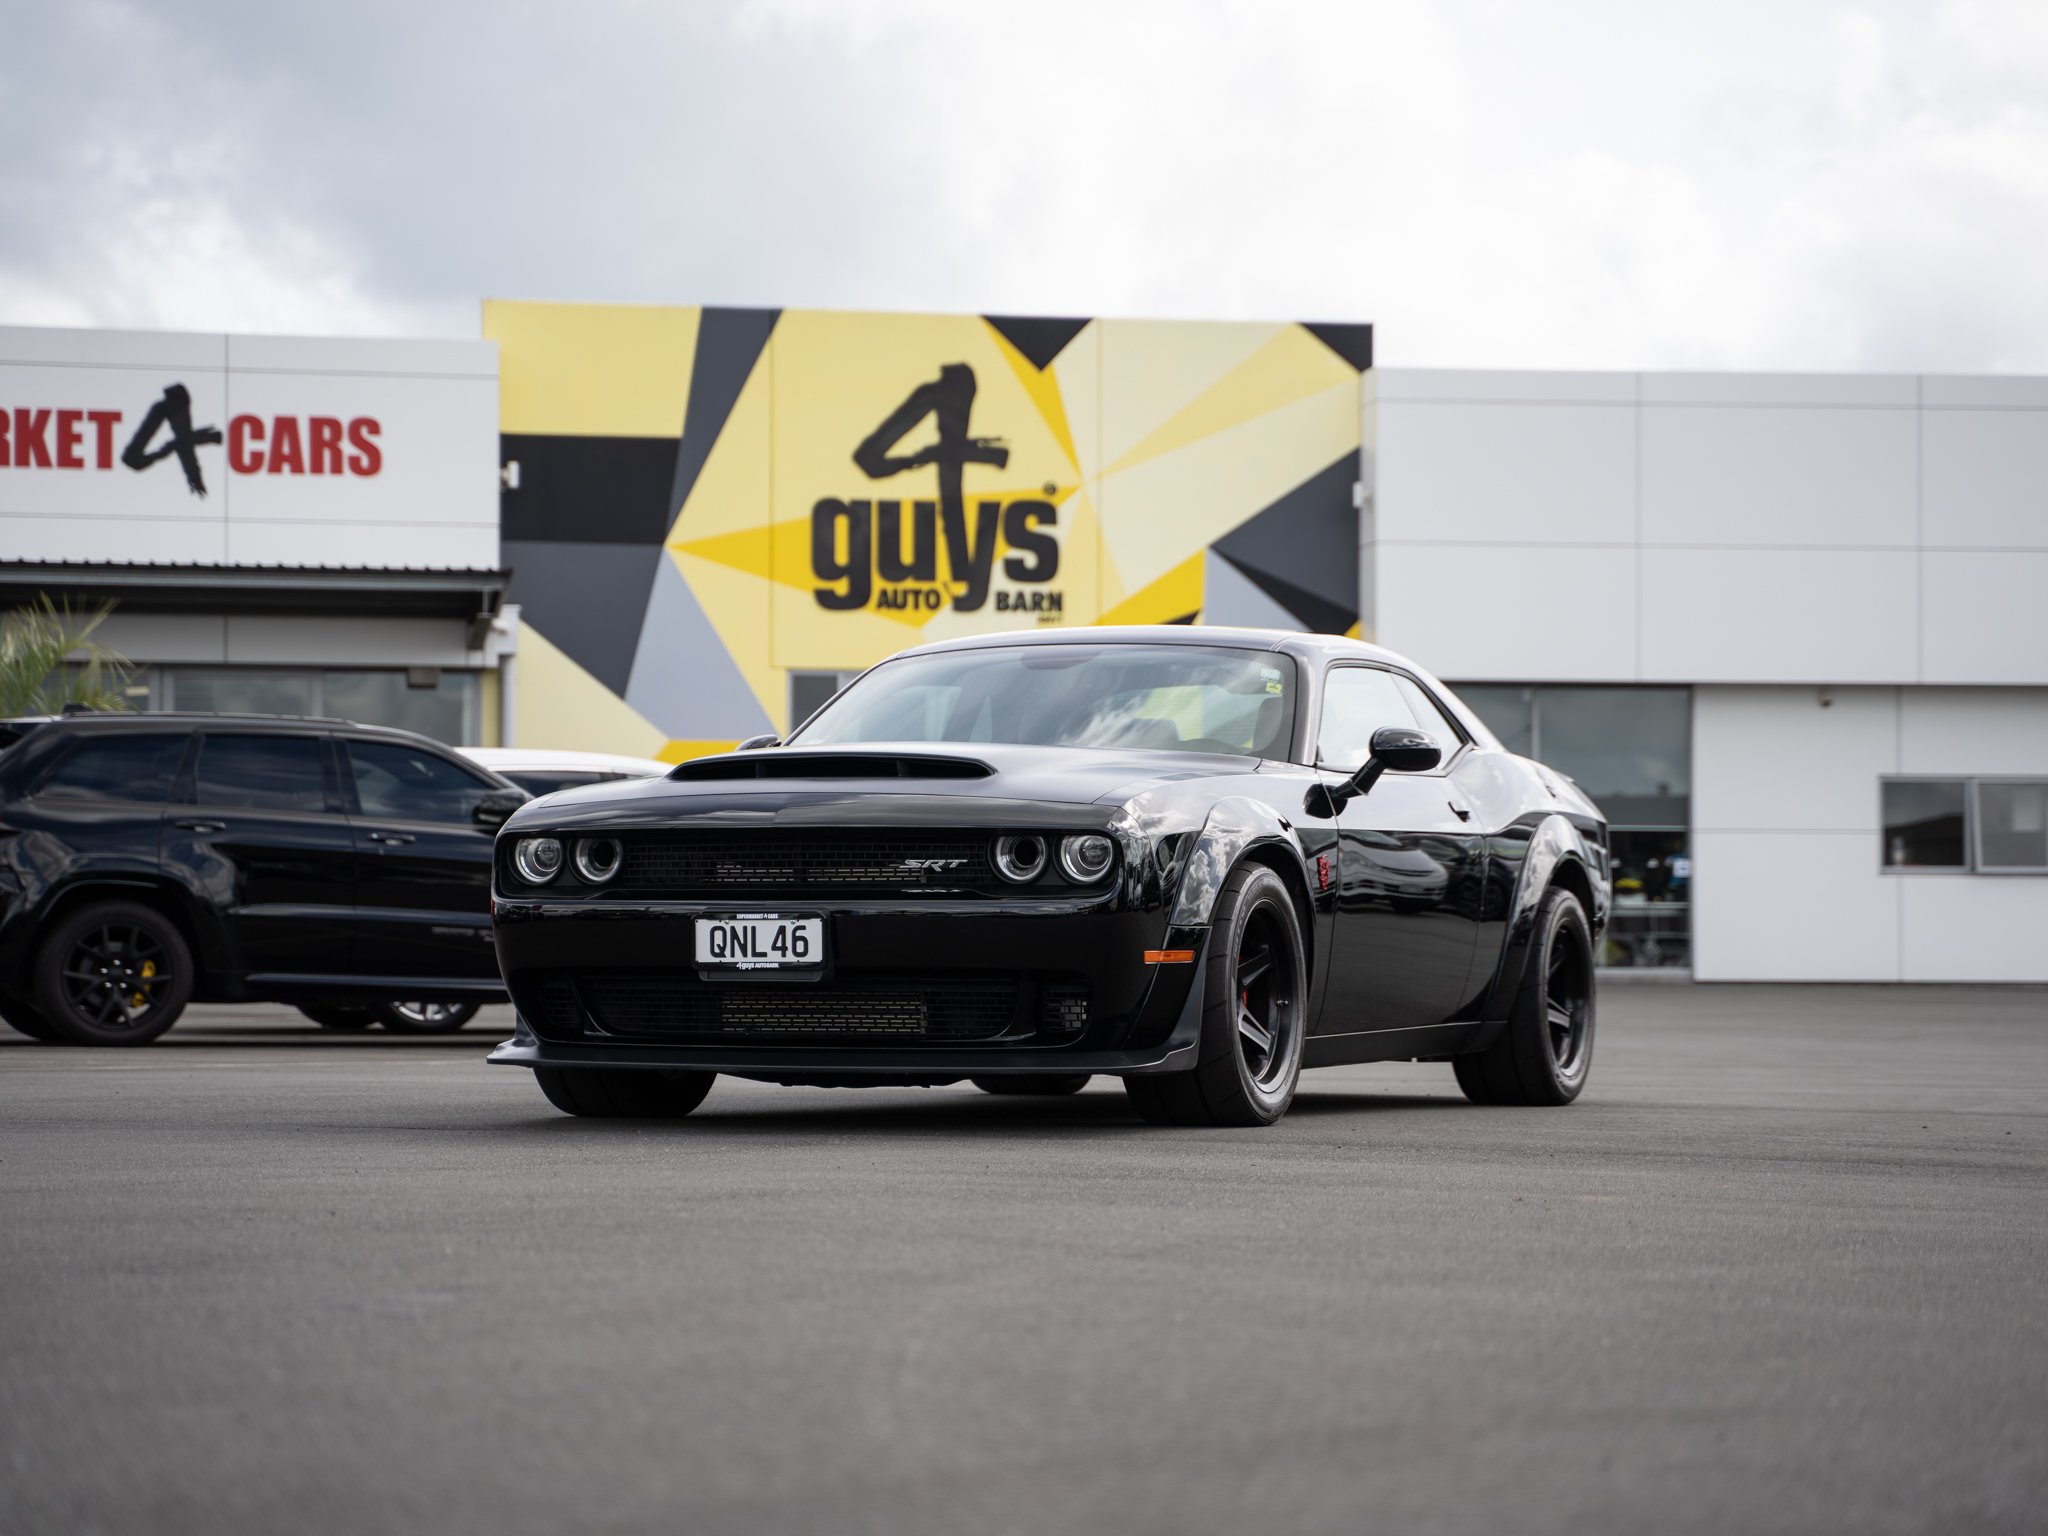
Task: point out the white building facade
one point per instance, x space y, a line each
1791 631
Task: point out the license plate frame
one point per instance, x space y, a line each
758 941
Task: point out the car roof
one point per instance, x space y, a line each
522 759
191 719
1307 646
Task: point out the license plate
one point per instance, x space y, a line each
758 941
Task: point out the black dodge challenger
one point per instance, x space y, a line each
1197 859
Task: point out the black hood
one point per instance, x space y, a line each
854 783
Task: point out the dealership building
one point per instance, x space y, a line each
1787 630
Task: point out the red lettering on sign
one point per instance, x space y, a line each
286 456
70 438
30 450
362 435
325 452
245 444
6 453
103 424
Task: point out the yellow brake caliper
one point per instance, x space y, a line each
148 970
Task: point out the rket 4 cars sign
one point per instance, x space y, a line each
138 447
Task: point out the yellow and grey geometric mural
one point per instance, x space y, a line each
709 502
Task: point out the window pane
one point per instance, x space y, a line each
1356 702
412 785
1923 824
809 692
272 773
1629 748
117 768
1652 901
1431 718
2012 826
1508 712
387 698
246 693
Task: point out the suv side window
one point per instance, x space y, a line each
264 773
410 784
138 768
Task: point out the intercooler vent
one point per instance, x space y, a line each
670 1007
821 861
558 1007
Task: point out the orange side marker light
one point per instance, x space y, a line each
1169 957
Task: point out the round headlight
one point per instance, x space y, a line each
538 859
1020 857
1086 857
598 858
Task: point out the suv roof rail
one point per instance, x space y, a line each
172 715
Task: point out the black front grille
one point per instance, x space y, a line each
670 1006
819 862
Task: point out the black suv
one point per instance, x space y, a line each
150 860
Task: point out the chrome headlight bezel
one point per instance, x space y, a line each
530 859
591 864
1021 857
1075 863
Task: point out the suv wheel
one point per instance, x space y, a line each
424 1018
114 973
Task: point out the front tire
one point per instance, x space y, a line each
1041 1085
114 973
1546 1051
623 1093
1254 1014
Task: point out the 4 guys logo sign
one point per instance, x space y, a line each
858 547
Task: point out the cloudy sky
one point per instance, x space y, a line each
1584 183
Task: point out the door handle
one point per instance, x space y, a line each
1459 811
391 837
202 826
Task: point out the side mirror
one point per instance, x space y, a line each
756 743
1395 749
497 804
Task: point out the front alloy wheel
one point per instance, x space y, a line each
424 1018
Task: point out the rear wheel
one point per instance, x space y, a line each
624 1093
345 1016
1033 1084
1546 1050
1255 1010
24 1017
424 1018
115 973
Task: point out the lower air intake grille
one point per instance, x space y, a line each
670 1007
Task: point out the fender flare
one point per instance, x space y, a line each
1554 843
1234 828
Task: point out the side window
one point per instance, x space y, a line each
133 768
1356 702
265 773
1430 715
412 784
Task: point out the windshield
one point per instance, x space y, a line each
1174 698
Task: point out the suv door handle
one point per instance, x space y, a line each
202 826
391 837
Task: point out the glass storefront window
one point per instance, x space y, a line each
2012 825
442 704
1924 824
1630 749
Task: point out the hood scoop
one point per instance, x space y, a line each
779 763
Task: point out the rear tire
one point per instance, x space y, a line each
23 1017
404 1018
1546 1051
1042 1085
624 1093
343 1016
1254 1014
113 973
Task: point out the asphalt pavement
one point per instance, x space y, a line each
1784 1268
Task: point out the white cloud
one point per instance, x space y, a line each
1750 185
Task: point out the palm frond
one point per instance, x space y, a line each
49 658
